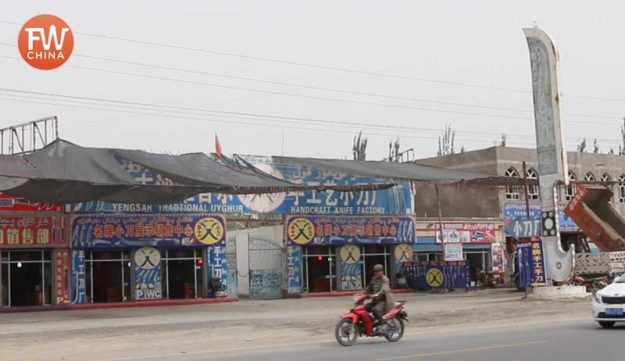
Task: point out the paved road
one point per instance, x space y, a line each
579 339
275 329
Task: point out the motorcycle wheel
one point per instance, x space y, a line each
395 330
345 332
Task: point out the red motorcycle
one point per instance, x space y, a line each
359 322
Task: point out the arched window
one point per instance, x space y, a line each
621 189
512 192
607 181
570 189
532 190
589 177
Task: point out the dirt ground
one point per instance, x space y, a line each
125 334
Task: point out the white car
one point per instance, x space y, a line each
608 304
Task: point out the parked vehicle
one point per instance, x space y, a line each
359 322
608 304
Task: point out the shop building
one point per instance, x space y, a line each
476 243
509 205
34 254
337 253
131 257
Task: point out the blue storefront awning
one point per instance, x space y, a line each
425 247
476 246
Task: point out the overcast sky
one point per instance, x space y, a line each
295 72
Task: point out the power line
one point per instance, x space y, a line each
237 115
310 65
209 119
223 86
308 87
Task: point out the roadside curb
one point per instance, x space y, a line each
343 293
133 304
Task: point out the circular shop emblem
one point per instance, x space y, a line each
403 253
301 231
264 203
434 277
208 231
350 254
45 42
147 258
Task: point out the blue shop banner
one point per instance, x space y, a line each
350 268
530 264
126 231
395 200
340 230
294 268
78 287
218 268
516 223
147 264
443 275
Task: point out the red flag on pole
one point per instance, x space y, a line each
218 147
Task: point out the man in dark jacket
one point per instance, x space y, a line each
382 298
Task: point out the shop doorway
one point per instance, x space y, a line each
478 262
183 276
373 255
26 278
319 269
108 276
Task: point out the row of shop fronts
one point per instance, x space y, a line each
50 258
338 253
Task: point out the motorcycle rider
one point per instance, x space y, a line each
382 298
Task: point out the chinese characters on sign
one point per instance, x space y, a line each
78 289
31 231
537 264
100 230
395 200
453 252
218 265
61 275
467 233
344 229
294 268
11 204
531 263
518 225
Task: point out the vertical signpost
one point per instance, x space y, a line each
552 165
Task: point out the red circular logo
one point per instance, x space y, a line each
45 42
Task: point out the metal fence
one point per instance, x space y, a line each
265 265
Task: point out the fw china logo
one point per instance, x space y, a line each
45 42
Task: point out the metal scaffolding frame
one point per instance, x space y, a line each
28 137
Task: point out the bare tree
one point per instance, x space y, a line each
393 150
581 148
446 144
360 147
595 146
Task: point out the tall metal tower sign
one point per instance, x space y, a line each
552 164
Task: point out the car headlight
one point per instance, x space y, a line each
597 297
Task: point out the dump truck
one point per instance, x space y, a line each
593 213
